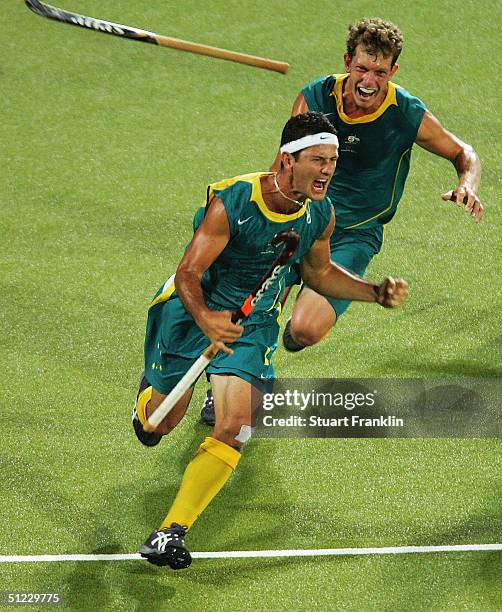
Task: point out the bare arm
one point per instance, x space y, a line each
299 106
433 137
208 242
327 278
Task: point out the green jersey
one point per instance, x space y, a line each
248 254
375 151
173 341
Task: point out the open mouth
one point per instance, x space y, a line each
366 92
319 186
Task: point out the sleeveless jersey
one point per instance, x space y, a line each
375 151
248 255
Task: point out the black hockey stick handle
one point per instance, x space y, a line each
290 239
117 29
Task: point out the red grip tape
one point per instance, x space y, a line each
246 308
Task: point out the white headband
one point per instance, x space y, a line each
309 141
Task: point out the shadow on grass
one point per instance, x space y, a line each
425 581
126 585
452 369
136 585
225 525
84 585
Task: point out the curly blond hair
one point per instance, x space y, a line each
377 36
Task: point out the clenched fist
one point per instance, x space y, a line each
392 293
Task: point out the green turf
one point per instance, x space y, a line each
107 146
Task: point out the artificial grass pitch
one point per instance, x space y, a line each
107 150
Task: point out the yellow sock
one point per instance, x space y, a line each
204 476
144 397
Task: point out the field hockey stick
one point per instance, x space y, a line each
117 29
290 239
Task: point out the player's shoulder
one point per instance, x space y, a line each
236 194
323 93
232 192
322 211
324 83
233 187
410 107
325 206
405 100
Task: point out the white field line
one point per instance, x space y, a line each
242 554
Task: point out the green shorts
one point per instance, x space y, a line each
352 249
173 342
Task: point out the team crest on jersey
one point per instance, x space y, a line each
350 144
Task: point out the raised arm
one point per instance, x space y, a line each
327 278
433 137
208 242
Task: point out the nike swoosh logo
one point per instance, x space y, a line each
242 221
323 137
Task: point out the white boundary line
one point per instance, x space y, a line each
242 554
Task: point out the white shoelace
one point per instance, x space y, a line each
163 539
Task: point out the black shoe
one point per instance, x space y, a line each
207 413
145 437
289 343
167 547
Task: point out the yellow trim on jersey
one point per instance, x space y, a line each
220 185
266 360
257 196
167 290
391 197
337 93
279 313
276 299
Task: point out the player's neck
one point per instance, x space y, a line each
279 197
353 110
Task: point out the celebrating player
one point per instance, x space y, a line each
228 254
377 124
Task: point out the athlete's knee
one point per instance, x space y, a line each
312 318
306 335
308 331
234 430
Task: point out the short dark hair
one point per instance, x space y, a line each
378 37
305 124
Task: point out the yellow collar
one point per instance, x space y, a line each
257 197
337 93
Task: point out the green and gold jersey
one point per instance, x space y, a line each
375 151
248 254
